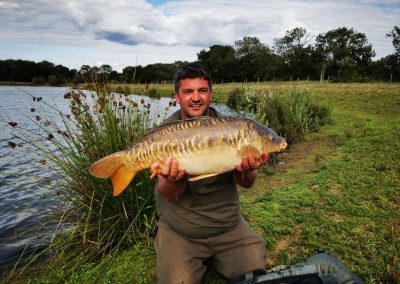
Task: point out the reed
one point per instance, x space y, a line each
91 223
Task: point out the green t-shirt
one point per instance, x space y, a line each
207 207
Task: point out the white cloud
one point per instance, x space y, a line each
125 29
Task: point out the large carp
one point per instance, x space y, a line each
203 146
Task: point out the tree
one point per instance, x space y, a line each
295 38
220 60
387 68
60 75
395 35
44 69
105 69
107 74
344 45
391 63
84 69
158 72
252 59
297 53
248 46
129 74
29 71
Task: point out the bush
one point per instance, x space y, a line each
153 93
291 115
243 99
234 98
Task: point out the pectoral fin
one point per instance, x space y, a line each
155 172
112 166
249 150
121 179
201 177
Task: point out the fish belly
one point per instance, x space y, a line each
216 160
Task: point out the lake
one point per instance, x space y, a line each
26 184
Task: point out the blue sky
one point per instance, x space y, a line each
130 32
156 3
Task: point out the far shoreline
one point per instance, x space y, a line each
29 84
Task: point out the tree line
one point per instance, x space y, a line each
339 55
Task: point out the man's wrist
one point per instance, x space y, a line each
243 172
171 189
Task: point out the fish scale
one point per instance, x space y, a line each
203 146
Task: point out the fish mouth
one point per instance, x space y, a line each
284 145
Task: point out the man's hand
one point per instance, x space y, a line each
171 182
250 163
246 173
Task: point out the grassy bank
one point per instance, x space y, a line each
339 190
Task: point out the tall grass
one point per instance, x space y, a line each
291 114
91 222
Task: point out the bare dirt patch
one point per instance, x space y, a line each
281 245
335 189
299 159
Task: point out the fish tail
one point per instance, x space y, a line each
113 166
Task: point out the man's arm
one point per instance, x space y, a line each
171 182
246 173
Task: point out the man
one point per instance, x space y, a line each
201 220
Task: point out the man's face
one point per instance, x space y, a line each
194 97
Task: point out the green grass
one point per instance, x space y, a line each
338 190
343 196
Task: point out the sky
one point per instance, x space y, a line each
124 33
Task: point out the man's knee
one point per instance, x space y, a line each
180 276
241 260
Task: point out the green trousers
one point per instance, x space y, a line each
234 252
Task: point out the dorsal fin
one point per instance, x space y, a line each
169 124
